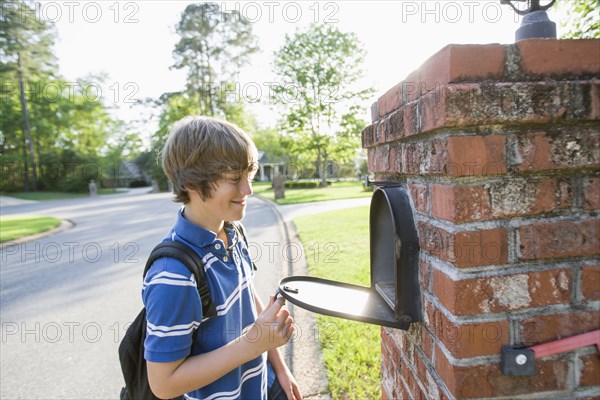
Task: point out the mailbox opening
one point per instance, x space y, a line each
394 298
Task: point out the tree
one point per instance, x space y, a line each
25 50
214 45
583 19
320 69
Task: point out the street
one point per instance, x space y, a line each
66 299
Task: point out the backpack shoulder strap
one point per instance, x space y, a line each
239 227
193 263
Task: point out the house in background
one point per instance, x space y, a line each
267 168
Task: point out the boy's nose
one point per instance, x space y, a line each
246 188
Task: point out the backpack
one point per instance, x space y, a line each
131 349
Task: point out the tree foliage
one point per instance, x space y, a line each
320 69
214 44
583 19
53 134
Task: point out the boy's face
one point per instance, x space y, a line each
228 199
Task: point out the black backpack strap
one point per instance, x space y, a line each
193 263
239 227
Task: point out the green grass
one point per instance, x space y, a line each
337 247
15 227
42 196
337 191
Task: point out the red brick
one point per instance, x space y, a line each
591 194
546 328
463 63
590 370
590 282
488 380
504 293
559 57
390 101
467 339
367 136
466 248
419 195
559 239
460 203
476 155
427 342
411 119
540 151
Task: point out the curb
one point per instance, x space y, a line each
303 353
65 225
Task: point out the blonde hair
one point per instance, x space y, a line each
199 150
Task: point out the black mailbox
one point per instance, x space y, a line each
394 297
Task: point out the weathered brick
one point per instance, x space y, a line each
559 57
590 370
595 99
504 293
590 282
512 103
545 328
529 196
459 203
559 239
390 101
393 125
367 136
591 194
540 151
411 119
465 248
418 193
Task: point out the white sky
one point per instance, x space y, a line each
132 41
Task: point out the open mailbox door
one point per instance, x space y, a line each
394 298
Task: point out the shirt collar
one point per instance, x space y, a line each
198 236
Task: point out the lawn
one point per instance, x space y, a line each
337 247
16 227
336 191
41 196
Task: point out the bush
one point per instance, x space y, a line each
138 183
304 184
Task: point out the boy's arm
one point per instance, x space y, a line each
172 379
284 376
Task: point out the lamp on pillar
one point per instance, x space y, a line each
536 24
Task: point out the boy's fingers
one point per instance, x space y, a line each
273 308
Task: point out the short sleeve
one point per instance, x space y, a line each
173 310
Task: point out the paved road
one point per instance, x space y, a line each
65 300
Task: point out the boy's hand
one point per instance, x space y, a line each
272 328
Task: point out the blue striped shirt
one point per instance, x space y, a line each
176 328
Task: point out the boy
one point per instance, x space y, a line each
211 164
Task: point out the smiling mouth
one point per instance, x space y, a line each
241 202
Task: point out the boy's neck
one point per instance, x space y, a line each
197 217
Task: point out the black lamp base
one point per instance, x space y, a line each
536 25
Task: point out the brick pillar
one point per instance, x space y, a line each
499 146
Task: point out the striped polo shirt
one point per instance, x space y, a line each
176 328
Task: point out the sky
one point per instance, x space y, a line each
132 42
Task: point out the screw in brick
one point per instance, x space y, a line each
521 359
